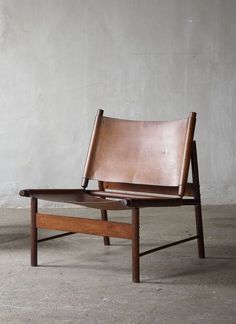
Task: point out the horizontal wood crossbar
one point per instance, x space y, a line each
152 202
84 225
54 237
168 245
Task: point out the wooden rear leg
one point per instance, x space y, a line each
199 226
135 246
106 239
34 233
198 207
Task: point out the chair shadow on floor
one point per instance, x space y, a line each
172 269
12 233
218 268
18 237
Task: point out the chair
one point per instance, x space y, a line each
136 164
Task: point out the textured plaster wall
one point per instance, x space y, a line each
61 60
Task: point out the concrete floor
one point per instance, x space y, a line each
81 281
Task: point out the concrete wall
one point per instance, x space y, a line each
61 60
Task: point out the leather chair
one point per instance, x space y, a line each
137 164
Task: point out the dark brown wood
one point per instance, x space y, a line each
106 239
55 237
32 192
91 149
135 245
34 232
161 202
168 245
187 153
104 216
199 226
84 225
198 207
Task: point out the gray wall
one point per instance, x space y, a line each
61 60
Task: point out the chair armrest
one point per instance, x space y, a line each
157 202
32 192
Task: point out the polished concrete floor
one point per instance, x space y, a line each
81 281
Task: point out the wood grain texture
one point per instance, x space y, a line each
84 225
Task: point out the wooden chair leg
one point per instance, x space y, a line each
198 217
135 245
34 232
198 207
106 239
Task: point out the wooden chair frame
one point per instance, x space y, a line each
188 194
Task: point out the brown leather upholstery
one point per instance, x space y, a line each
135 152
137 164
103 200
75 197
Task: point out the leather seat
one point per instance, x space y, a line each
136 164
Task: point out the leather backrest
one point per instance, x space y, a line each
140 152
